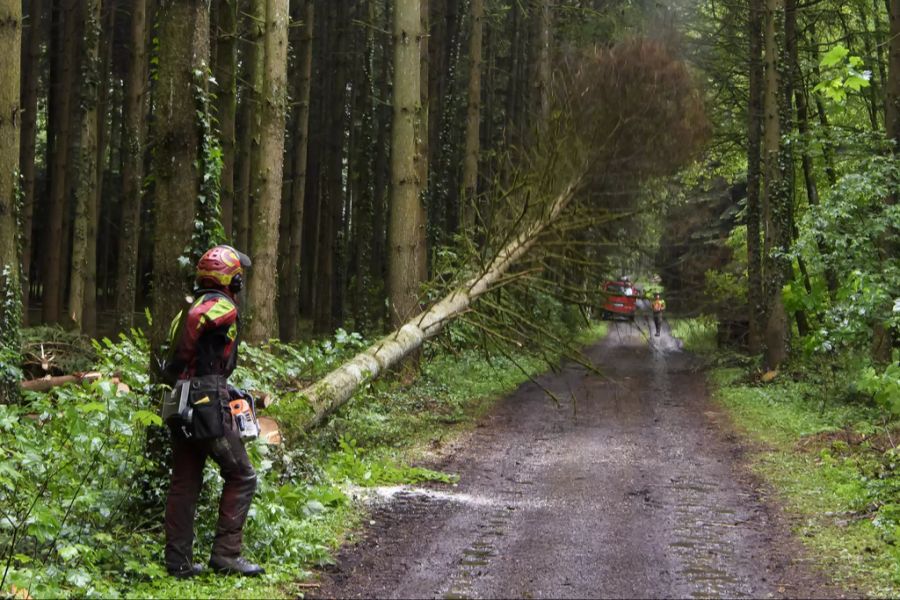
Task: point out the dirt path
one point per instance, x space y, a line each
630 488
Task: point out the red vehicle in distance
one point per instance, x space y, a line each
619 300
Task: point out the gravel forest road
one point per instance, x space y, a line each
633 486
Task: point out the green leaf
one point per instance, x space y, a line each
834 56
145 417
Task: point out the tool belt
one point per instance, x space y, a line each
197 407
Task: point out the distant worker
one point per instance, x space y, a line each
208 418
658 306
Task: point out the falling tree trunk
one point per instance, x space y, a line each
65 44
84 226
183 51
132 166
407 217
226 105
298 185
473 120
267 207
10 293
332 391
776 210
754 129
31 56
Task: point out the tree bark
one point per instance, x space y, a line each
183 50
134 133
84 225
31 57
64 47
776 209
298 185
10 124
407 219
542 73
755 293
226 105
267 207
256 57
473 119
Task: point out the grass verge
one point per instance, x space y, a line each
830 459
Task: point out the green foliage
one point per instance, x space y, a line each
841 74
208 230
81 491
10 335
832 462
351 464
883 386
698 335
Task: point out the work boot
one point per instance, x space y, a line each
186 571
235 566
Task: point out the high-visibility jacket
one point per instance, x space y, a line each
203 338
658 305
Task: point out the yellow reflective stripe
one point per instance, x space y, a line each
232 332
173 328
218 310
221 308
222 278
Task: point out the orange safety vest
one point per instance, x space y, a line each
658 305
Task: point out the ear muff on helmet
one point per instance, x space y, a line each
236 284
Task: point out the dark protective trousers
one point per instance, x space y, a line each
657 320
188 458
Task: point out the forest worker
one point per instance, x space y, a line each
201 355
658 306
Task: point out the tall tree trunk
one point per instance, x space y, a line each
63 53
134 129
183 51
544 24
267 208
473 119
298 185
755 293
381 167
84 225
407 217
777 197
31 57
10 114
253 107
226 105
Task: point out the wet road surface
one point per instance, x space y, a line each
632 487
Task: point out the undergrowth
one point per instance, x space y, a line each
83 474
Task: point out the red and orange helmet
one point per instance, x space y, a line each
222 267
